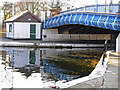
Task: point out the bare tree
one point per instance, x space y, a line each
35 6
7 11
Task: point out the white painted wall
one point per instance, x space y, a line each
9 34
22 30
118 43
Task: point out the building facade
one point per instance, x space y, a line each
23 26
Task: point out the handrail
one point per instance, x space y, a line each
94 8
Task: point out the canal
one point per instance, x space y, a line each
36 68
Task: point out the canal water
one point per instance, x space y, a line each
36 68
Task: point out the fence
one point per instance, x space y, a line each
2 35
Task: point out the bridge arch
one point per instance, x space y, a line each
100 20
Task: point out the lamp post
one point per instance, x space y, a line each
74 3
13 9
105 6
96 5
110 6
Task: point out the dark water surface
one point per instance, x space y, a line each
38 66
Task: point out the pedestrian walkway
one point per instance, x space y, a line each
111 77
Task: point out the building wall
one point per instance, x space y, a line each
47 32
48 36
22 30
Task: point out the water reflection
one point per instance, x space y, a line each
48 64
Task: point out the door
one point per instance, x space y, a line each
32 31
32 57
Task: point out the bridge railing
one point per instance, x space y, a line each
111 8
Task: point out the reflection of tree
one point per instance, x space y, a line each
64 66
80 64
54 72
28 70
7 11
76 68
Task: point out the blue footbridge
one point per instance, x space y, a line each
88 20
100 16
94 19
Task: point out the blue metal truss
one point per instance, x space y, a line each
101 20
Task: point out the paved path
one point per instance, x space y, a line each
112 74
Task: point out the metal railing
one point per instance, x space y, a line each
111 8
105 50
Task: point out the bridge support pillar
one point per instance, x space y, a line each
113 40
118 43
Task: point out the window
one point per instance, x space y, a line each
10 27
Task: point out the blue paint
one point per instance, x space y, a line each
102 20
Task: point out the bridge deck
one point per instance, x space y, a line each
95 19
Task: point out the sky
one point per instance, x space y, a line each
77 3
13 1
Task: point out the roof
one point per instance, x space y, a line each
20 15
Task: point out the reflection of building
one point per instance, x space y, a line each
21 58
37 61
24 61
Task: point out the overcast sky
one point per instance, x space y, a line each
77 3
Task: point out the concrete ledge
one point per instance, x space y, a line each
49 45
